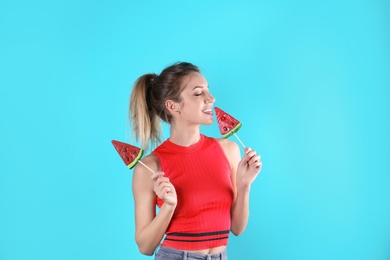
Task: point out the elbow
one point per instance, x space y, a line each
145 250
238 225
237 232
238 229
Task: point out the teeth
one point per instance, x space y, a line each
207 110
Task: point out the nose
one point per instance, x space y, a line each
209 98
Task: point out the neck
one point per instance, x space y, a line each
184 137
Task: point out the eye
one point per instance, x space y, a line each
198 94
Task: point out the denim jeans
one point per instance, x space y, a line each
165 253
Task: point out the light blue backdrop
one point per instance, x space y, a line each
309 80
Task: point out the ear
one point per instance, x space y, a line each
173 107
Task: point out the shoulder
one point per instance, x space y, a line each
152 161
141 174
224 143
231 150
228 145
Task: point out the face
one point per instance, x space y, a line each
197 102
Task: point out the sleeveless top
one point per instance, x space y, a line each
201 177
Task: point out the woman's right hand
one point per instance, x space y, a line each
164 189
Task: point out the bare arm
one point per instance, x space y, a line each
150 228
244 172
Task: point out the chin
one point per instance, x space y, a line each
209 122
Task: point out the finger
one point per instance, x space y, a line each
247 150
167 190
246 156
250 155
166 186
166 195
156 175
254 159
162 190
259 166
255 156
163 185
161 180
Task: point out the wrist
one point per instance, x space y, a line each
244 188
168 206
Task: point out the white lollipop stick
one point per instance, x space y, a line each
147 167
239 140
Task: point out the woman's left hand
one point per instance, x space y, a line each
248 169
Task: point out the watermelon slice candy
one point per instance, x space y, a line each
130 154
227 124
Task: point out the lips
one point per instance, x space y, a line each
208 111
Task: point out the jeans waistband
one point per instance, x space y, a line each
189 255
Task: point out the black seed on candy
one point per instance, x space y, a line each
125 150
225 128
134 152
127 159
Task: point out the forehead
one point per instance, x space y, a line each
193 80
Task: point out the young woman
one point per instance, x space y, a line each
201 185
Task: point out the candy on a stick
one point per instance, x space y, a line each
227 124
130 154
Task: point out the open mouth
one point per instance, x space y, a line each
208 111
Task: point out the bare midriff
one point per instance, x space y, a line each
214 250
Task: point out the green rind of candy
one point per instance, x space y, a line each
234 130
133 163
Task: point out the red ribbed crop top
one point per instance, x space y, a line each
201 176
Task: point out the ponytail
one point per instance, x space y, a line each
147 101
146 125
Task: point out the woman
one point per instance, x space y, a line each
200 184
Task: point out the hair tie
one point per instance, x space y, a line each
150 81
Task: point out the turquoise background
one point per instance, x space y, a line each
309 80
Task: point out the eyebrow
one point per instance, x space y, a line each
199 87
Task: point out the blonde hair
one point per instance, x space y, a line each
147 102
